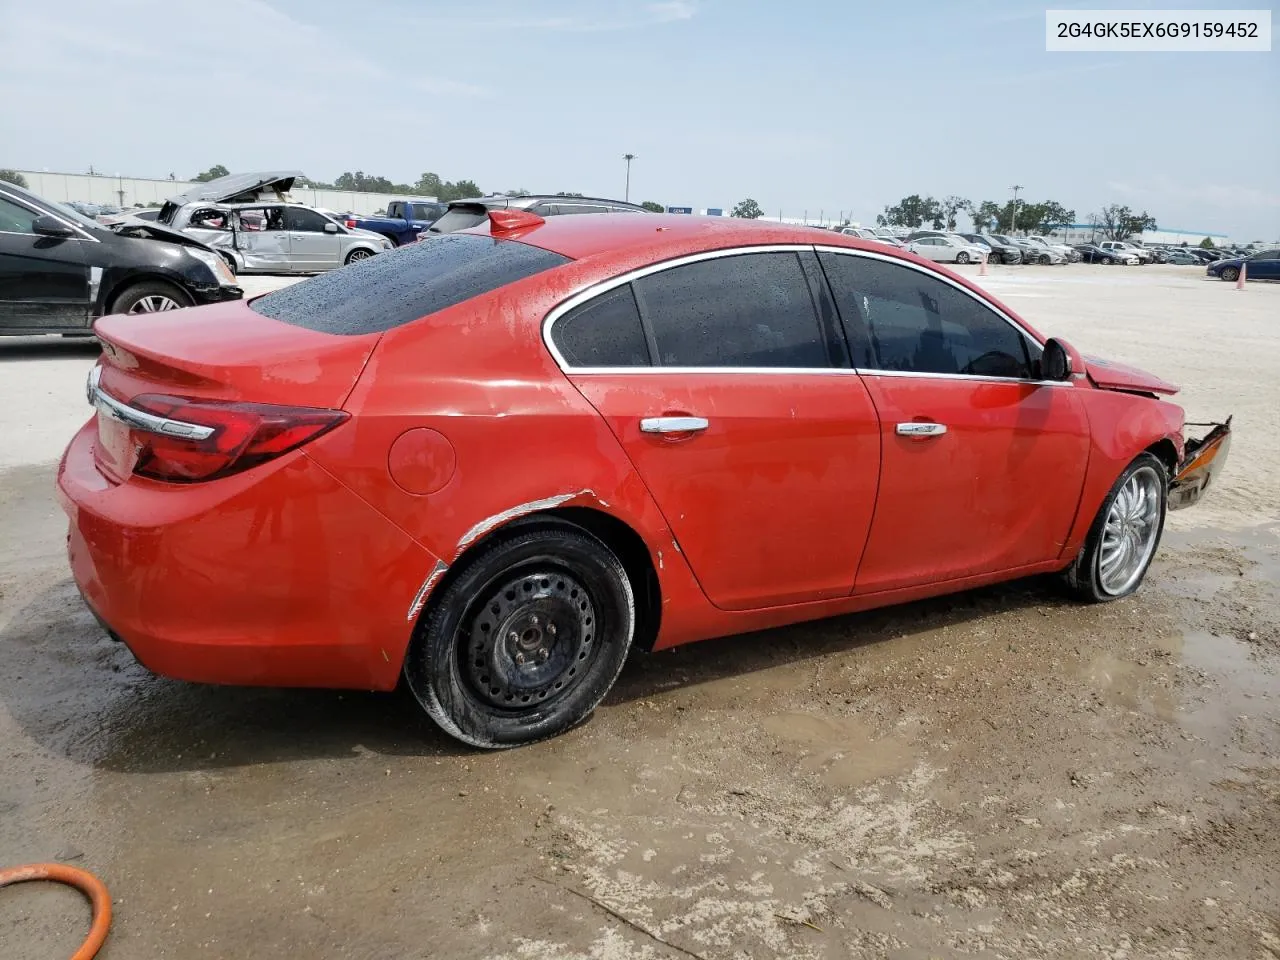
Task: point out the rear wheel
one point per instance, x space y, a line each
1124 535
151 296
1230 273
525 640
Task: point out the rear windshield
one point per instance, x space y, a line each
459 218
402 285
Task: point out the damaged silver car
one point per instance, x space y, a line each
255 227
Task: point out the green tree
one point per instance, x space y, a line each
982 214
213 173
747 209
653 207
561 193
1120 223
1206 243
14 177
912 211
1044 217
949 207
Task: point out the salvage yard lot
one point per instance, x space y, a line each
1000 770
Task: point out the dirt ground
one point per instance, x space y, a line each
1002 772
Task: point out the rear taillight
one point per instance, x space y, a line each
244 435
350 224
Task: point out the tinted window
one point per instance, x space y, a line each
426 211
903 319
308 221
750 310
404 284
15 219
604 333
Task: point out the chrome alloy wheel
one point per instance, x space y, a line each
1130 534
154 303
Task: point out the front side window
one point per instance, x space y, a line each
745 310
905 320
305 221
604 332
15 218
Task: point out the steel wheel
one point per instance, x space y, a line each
1130 532
155 303
528 639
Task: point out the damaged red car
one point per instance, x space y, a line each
495 462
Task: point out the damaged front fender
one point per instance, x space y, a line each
1203 459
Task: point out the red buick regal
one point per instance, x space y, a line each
494 462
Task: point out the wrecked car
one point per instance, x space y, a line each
254 226
494 463
60 269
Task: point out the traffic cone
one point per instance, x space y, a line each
982 269
1244 268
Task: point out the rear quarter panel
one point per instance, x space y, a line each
523 438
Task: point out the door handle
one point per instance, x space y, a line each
673 424
917 429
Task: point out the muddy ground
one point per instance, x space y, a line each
1003 773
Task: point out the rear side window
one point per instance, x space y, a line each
899 318
402 285
605 332
747 310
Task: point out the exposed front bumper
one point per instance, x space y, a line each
277 576
1203 459
216 294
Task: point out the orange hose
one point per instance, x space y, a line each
82 880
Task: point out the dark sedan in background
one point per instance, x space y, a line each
60 270
1000 252
1263 265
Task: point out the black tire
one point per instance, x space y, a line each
544 617
358 254
962 257
1230 274
1045 260
1109 261
1083 577
132 298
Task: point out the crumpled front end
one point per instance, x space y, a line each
1203 459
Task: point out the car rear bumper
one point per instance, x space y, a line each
1203 459
277 576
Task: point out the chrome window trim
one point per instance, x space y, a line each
604 286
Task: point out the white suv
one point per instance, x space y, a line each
1123 246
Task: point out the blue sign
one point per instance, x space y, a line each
679 209
715 211
994 223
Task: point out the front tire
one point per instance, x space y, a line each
1045 260
151 296
1230 274
962 257
1125 534
525 639
356 255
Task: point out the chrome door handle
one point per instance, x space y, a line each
917 429
673 424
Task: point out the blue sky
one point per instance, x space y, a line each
802 105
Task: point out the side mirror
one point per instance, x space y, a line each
51 227
1057 361
330 228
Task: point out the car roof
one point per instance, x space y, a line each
650 237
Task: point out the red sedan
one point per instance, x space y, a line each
494 462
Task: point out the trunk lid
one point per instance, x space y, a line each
225 352
1109 375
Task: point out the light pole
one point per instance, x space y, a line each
1014 227
628 157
